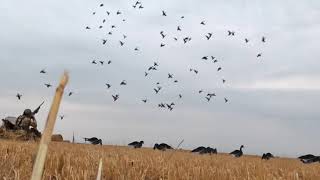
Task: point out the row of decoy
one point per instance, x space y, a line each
306 159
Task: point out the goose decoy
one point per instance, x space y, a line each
136 49
113 26
93 140
162 147
182 17
48 85
141 7
309 158
208 98
175 81
123 83
200 91
237 153
162 34
223 81
43 71
19 96
100 27
115 97
136 144
267 156
145 74
176 39
198 149
157 90
110 33
124 36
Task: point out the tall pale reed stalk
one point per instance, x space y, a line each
47 133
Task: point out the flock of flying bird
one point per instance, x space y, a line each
309 158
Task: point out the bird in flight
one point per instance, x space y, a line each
104 41
144 100
70 93
19 96
259 55
162 34
121 43
118 12
61 117
164 13
101 63
115 97
108 85
226 100
101 5
231 33
209 36
246 40
88 27
219 69
178 28
48 85
203 23
94 62
263 39
162 45
205 58
170 75
123 83
109 62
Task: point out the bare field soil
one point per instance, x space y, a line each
80 161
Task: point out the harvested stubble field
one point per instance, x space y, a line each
80 161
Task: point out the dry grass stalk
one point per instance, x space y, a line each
99 170
46 136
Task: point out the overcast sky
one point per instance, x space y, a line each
273 100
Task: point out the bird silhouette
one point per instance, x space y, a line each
121 43
61 117
263 39
205 58
267 156
246 40
118 12
48 85
180 96
94 62
170 75
123 83
108 85
237 153
104 20
162 45
178 28
115 97
162 34
259 55
101 5
108 13
203 23
136 144
93 140
219 69
144 100
146 74
223 81
104 41
43 71
162 147
19 96
164 13
231 33
226 100
209 36
70 93
101 63
88 27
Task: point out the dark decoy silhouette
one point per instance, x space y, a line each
19 96
180 96
211 95
223 81
162 34
136 144
162 147
93 140
104 20
237 153
267 156
309 158
204 150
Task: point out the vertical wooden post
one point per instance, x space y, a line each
47 133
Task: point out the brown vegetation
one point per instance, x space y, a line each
80 161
